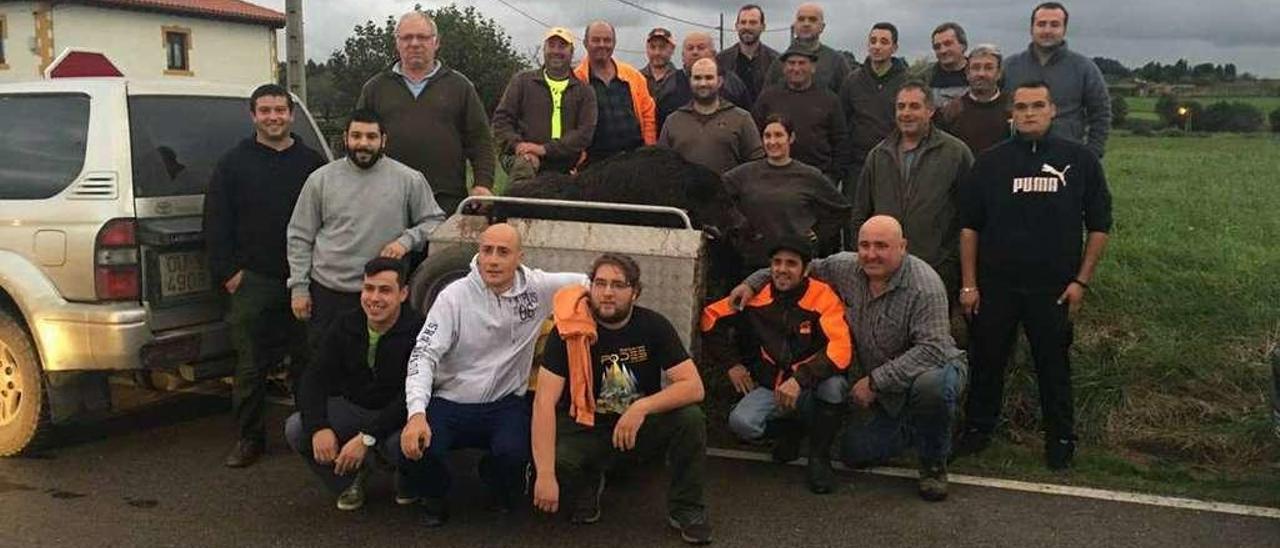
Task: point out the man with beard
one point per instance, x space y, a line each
546 117
601 395
467 376
914 176
831 67
1079 91
434 116
709 130
697 46
351 401
820 124
798 349
909 373
980 117
254 188
626 114
750 58
946 77
867 98
352 210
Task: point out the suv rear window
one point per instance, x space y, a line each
42 143
177 140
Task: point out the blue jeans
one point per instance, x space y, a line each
500 427
752 413
925 422
346 419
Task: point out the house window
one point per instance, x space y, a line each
177 51
4 34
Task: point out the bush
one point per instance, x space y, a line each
1275 120
1140 127
1167 108
1119 111
1231 116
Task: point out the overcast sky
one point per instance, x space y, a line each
1244 32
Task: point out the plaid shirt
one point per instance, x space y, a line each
897 336
617 129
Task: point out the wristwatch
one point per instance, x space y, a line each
367 440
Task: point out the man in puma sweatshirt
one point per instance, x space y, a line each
469 370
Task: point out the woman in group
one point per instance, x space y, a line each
780 195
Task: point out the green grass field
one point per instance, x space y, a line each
1169 363
1144 108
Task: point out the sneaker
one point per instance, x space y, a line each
587 509
352 498
695 532
933 482
245 453
405 494
1059 453
971 442
435 513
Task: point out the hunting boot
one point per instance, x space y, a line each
824 424
788 432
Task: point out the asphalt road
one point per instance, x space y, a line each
155 478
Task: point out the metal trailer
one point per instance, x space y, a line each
671 260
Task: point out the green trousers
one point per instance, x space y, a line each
582 453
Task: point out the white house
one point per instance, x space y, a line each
230 41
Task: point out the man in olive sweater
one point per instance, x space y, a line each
435 120
820 126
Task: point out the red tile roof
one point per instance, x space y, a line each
233 10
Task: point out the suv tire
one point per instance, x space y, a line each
438 271
24 405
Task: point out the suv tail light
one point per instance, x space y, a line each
116 269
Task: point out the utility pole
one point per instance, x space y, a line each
294 51
721 48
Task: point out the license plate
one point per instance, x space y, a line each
183 273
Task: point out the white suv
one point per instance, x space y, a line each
102 264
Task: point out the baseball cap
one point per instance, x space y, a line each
559 32
794 243
663 34
798 50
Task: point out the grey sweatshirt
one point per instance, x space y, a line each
345 215
1078 90
477 346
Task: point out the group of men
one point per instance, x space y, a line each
314 257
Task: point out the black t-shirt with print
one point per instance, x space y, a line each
626 364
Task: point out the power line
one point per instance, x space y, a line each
524 13
665 16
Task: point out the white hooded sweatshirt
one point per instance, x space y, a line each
476 346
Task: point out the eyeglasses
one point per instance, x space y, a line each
607 284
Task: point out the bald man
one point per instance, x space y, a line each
908 370
806 34
698 46
710 130
469 369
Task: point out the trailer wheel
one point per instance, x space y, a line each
437 271
24 405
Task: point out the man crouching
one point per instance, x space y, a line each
612 355
351 399
788 349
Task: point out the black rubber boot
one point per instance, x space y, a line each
822 431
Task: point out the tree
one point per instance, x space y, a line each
1275 120
1119 111
469 42
1177 112
1111 67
